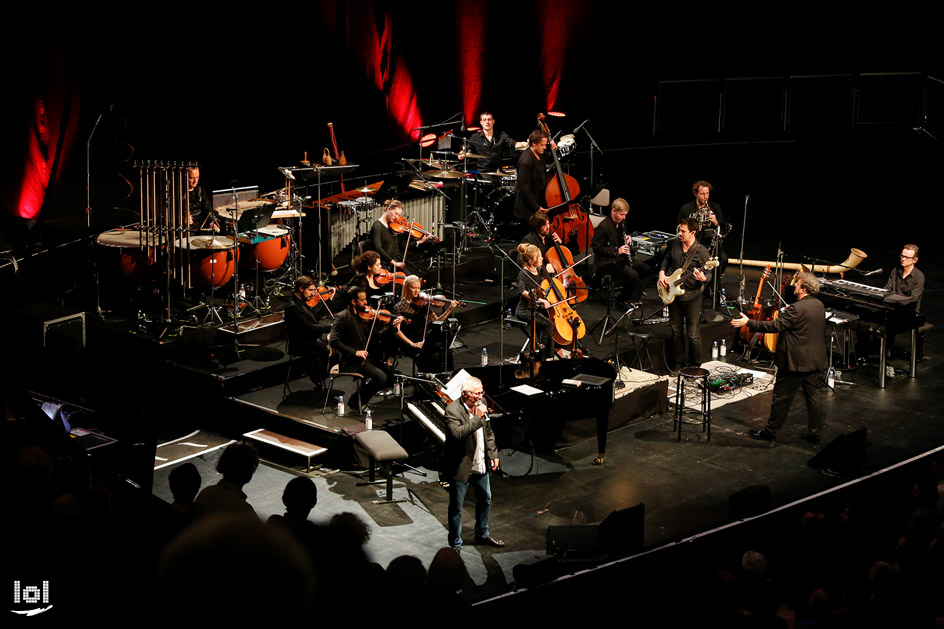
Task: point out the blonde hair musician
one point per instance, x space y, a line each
529 286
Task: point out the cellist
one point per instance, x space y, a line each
529 286
540 235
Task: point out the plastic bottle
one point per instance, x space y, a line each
714 351
484 362
340 406
724 348
368 420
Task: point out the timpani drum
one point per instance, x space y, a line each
212 261
122 250
270 246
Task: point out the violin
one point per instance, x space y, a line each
385 277
436 301
403 225
322 294
384 316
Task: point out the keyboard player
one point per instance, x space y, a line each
906 280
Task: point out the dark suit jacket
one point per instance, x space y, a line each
460 442
348 337
607 239
802 342
302 324
531 183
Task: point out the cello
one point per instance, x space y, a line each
566 325
573 224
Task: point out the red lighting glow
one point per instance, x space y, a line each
560 22
470 54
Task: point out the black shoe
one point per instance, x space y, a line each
811 438
762 435
490 541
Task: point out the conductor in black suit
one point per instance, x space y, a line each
470 452
800 358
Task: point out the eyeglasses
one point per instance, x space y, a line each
908 257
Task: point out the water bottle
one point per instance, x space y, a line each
714 351
368 420
396 388
831 378
340 406
484 362
242 292
724 348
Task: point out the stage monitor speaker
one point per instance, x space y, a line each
845 455
623 531
577 543
535 571
750 501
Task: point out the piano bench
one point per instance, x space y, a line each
382 448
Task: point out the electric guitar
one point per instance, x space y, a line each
679 277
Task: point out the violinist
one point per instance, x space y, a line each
304 327
384 239
529 286
611 254
426 352
368 267
532 169
349 337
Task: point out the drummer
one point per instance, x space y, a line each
384 239
202 215
497 149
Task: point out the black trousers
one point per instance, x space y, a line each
785 389
684 317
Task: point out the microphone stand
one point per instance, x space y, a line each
741 279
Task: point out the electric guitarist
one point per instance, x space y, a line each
685 309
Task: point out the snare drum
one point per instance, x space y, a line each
211 260
270 245
122 250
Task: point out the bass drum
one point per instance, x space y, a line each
212 262
500 204
270 249
120 250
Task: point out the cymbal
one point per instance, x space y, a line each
475 155
444 174
366 189
439 164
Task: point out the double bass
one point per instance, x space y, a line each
573 224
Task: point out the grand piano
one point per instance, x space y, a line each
560 413
878 312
